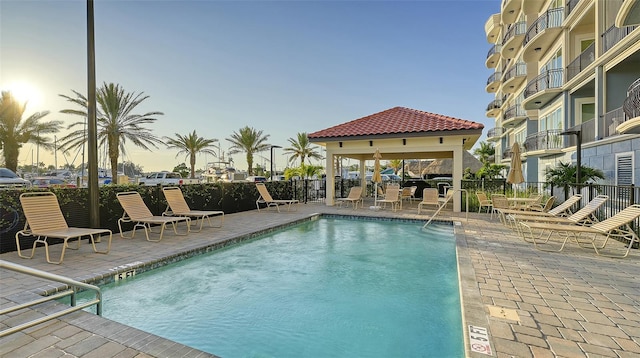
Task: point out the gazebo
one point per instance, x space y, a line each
399 133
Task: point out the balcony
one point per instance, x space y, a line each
613 35
543 89
542 34
493 82
571 4
629 13
494 134
494 108
544 143
588 130
493 56
514 77
510 10
512 39
631 108
610 122
581 62
514 115
507 153
492 28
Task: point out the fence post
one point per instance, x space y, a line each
632 197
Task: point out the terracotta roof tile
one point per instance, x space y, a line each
396 120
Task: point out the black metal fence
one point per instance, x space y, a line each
238 197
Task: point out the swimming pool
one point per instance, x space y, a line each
323 288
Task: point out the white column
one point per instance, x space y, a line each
363 180
331 180
458 164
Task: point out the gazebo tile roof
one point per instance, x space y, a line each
397 120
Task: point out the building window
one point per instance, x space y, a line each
551 121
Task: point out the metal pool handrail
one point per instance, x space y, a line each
74 285
449 198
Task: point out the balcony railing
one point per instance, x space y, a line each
494 77
494 50
519 28
495 132
513 112
546 80
544 140
495 104
581 62
571 4
632 102
610 121
613 35
588 131
506 154
519 69
552 18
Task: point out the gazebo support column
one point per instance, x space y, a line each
330 179
363 180
458 164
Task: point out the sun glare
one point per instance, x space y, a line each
24 92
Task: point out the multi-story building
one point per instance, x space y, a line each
566 77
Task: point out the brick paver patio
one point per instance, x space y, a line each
533 303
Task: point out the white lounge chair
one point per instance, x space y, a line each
265 198
177 206
354 197
429 198
392 196
45 220
137 212
616 227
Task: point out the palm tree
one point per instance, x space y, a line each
304 171
485 153
250 141
116 122
14 131
396 164
565 174
191 144
301 148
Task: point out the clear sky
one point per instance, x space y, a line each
282 67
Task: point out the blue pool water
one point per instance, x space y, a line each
324 288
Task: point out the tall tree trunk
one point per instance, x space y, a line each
192 161
11 150
114 153
250 163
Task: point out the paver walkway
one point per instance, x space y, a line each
533 303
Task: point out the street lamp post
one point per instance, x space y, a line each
273 147
578 135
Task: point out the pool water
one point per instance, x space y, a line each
325 288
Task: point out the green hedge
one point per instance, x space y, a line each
74 203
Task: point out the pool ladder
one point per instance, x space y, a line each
448 197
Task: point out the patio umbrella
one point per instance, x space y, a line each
515 172
376 177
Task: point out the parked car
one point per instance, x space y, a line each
256 179
9 179
385 177
49 182
165 178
